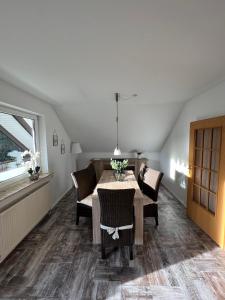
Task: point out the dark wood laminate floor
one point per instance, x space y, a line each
58 261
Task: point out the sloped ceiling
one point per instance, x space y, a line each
141 126
76 53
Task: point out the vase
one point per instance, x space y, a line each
119 176
34 176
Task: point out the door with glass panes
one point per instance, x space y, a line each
206 184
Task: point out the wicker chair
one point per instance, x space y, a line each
117 211
151 184
85 183
141 175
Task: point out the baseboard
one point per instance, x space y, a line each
174 194
68 191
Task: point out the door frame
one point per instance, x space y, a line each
201 216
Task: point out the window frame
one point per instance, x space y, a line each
28 115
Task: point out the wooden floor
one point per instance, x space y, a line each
58 261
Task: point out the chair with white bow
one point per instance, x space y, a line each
116 218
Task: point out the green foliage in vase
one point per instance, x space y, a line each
30 171
37 169
118 165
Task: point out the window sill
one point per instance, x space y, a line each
13 192
11 181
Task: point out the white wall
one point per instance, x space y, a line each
174 153
84 158
61 165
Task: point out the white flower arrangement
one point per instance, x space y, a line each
118 165
31 161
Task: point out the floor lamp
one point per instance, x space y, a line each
76 149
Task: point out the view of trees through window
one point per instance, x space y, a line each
16 136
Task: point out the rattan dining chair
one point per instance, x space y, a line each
116 218
151 183
141 173
85 183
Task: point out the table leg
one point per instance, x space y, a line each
138 211
96 220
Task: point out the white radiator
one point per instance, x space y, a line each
18 220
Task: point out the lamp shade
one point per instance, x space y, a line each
117 151
76 148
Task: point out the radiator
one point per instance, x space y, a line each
18 220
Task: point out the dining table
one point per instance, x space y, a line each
108 181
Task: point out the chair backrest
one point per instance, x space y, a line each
151 183
92 174
116 207
84 182
141 175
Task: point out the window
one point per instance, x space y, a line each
18 133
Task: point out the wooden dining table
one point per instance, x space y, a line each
108 181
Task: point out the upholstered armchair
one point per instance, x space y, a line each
85 183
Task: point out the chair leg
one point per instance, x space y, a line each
156 220
77 217
103 252
131 252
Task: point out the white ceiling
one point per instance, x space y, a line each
77 53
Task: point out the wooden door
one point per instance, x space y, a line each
206 185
